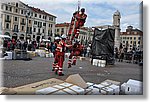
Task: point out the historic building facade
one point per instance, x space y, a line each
21 21
132 38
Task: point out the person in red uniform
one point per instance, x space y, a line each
61 55
76 51
55 53
81 18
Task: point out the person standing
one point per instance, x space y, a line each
55 53
88 51
61 54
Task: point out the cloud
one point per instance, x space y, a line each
99 11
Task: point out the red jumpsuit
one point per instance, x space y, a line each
76 51
60 55
78 20
55 53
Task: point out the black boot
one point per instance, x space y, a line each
69 65
61 74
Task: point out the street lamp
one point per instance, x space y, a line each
28 15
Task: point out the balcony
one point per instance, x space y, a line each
7 20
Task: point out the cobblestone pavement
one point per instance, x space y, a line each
19 72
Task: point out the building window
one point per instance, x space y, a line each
16 4
130 42
134 38
39 16
128 32
139 38
16 10
34 29
29 21
23 20
44 24
40 24
62 30
57 30
43 17
130 38
123 41
43 30
49 25
35 15
6 8
138 42
35 22
134 43
33 36
16 28
10 8
16 18
22 28
21 11
7 17
7 26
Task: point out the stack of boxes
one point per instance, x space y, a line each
75 85
108 87
62 89
99 63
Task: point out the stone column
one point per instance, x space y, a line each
116 24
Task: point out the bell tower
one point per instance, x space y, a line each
116 24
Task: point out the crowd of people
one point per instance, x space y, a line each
29 45
132 56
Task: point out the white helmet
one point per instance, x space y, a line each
63 36
57 38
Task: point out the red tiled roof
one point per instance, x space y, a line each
40 11
62 25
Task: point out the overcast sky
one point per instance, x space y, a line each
99 12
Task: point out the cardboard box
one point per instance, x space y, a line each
32 88
111 87
7 91
95 88
77 89
106 83
107 91
116 89
88 91
113 82
99 63
123 87
134 87
89 84
9 55
76 79
61 90
46 91
82 58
